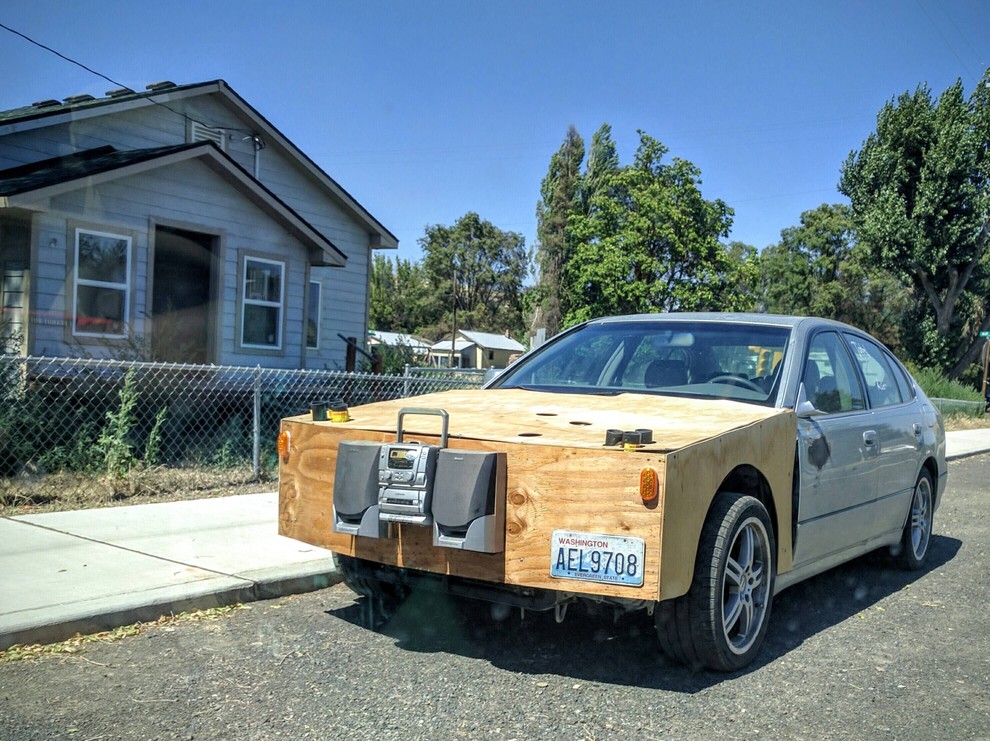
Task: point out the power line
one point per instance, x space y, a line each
60 55
150 98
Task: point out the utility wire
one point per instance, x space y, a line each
150 98
60 55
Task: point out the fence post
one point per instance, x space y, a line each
256 452
405 383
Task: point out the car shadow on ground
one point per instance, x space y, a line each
590 644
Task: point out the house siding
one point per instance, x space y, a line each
193 194
344 290
344 305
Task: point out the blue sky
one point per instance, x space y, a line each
426 110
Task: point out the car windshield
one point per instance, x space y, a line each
714 360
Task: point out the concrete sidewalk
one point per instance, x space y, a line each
91 570
81 572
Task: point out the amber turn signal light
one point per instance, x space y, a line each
649 484
282 444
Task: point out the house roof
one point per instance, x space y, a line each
443 346
48 112
398 339
491 341
29 186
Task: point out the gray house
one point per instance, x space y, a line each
180 221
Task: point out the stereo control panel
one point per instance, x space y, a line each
406 473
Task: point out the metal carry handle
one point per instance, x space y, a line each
430 412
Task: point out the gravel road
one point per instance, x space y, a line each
861 652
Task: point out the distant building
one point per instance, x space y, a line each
476 350
419 348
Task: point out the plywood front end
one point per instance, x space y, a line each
553 474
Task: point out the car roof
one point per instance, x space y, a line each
776 320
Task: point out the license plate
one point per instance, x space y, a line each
594 557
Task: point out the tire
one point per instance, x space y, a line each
722 620
382 599
918 527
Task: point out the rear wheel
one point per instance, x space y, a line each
720 623
918 528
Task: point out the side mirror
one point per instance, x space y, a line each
803 407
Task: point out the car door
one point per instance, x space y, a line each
837 457
898 423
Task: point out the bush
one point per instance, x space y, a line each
937 386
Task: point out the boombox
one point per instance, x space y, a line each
460 494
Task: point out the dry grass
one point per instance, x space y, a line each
59 492
966 422
76 644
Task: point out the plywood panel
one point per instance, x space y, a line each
559 476
696 473
578 420
548 488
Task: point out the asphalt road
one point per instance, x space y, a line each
861 652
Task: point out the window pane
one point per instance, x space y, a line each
102 258
260 325
313 316
263 281
881 384
830 381
99 310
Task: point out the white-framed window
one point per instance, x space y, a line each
262 303
313 315
101 284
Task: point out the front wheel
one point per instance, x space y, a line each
381 598
918 528
720 623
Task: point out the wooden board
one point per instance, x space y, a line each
559 476
578 420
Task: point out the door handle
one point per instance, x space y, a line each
870 438
917 429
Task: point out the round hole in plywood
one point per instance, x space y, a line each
530 434
581 424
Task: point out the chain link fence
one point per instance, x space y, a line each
68 414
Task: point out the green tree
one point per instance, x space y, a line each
559 194
650 242
743 273
400 296
490 267
603 164
819 269
920 193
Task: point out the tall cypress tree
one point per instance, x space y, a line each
559 196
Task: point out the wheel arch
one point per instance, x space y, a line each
756 460
931 465
748 480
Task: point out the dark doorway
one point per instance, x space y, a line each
182 302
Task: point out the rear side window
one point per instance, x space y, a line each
882 385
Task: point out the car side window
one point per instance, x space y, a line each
881 381
903 382
829 378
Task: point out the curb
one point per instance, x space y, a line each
102 620
965 454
